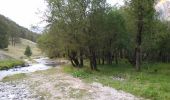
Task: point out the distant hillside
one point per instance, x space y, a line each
16 30
17 51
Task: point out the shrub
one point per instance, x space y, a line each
28 51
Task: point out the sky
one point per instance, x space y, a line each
29 13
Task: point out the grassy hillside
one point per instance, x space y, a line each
17 51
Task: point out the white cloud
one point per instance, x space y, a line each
23 12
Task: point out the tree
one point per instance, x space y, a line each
77 23
92 30
3 35
87 29
50 45
28 51
144 14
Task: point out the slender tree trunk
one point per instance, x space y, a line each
140 24
81 59
12 41
137 65
93 61
91 64
109 57
99 61
109 54
103 58
116 58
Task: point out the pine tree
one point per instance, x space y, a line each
28 51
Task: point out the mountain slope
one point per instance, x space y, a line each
16 30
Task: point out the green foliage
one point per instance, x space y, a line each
28 51
91 29
3 35
84 28
50 45
79 73
7 64
148 83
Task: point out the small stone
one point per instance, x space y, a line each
11 96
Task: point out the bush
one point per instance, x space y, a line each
28 51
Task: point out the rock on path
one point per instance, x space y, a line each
16 91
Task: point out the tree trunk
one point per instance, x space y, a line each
81 59
116 58
99 61
109 57
93 62
103 58
73 58
73 64
137 65
140 24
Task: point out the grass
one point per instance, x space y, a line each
14 77
153 82
10 63
17 51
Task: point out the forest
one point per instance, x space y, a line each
95 32
10 32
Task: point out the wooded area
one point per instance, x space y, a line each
10 32
93 30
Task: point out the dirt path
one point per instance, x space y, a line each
55 85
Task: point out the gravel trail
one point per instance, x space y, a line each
55 85
16 91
